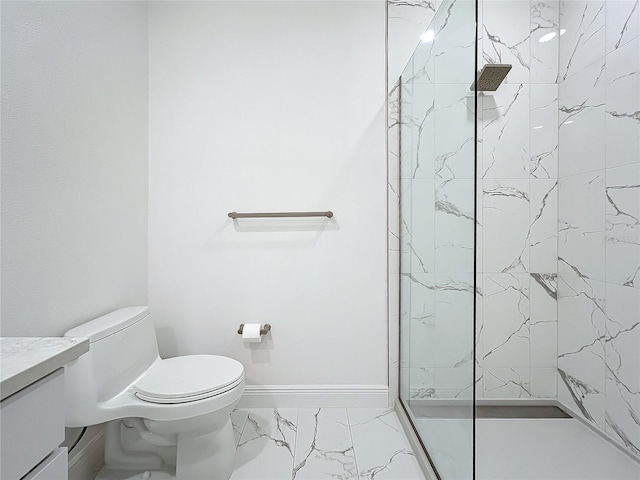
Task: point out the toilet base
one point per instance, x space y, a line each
108 473
210 456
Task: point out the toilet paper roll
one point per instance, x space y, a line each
251 333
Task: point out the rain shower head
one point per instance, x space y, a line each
491 76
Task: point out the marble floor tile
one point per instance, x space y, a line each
323 445
266 447
381 447
238 421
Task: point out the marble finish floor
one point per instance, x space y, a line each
327 443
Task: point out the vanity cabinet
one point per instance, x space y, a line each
31 430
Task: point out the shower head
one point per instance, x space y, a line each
491 76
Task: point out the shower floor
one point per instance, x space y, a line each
525 449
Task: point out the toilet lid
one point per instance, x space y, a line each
188 378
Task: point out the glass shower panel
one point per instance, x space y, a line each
437 241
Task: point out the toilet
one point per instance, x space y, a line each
165 418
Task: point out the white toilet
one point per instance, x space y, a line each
168 419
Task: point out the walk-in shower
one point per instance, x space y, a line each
519 239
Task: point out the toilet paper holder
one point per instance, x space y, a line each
263 331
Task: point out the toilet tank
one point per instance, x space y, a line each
122 346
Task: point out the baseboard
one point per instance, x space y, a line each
87 457
314 396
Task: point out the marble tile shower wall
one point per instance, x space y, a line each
516 215
599 212
559 203
435 182
518 195
406 21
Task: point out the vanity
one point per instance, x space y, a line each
32 412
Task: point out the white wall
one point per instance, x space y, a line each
74 162
270 106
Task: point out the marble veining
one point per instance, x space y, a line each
599 212
583 42
24 360
337 443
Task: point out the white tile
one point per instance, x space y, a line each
544 346
393 132
405 316
543 289
506 320
622 22
424 57
454 226
584 39
265 450
238 421
582 121
455 382
543 234
545 20
623 365
405 386
623 335
408 131
421 225
454 297
419 116
623 103
323 445
622 409
544 131
453 147
406 22
581 318
423 321
581 225
622 225
543 382
390 459
423 383
505 132
623 264
581 352
405 226
505 210
507 383
454 45
393 226
506 37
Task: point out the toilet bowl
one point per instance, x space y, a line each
167 418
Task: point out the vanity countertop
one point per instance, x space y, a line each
25 360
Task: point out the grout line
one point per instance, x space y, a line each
244 424
295 441
355 456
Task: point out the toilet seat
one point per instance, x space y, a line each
188 379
